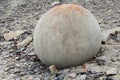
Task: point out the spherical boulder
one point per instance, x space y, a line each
67 35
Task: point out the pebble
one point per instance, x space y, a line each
13 34
111 71
25 42
55 3
18 58
37 78
72 75
27 77
95 68
102 78
2 75
6 69
10 77
7 56
32 54
118 37
17 65
53 69
17 70
4 43
30 78
2 62
18 79
83 77
22 73
78 69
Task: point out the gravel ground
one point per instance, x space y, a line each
23 64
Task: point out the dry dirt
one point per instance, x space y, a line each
23 64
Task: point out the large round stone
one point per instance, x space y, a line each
67 35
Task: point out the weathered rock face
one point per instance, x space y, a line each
67 35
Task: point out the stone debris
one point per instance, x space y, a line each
32 54
30 78
118 37
17 70
83 77
24 42
4 43
13 34
111 71
53 69
55 2
72 75
6 69
102 78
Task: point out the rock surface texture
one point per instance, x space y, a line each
67 35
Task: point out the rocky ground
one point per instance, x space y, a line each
18 60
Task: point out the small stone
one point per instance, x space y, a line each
13 34
24 42
7 56
56 3
80 77
10 77
111 71
17 65
11 66
53 69
17 58
30 78
37 78
102 78
85 67
79 69
72 75
3 62
118 37
32 54
22 73
4 43
18 79
83 77
100 62
95 68
27 77
6 69
17 70
2 75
